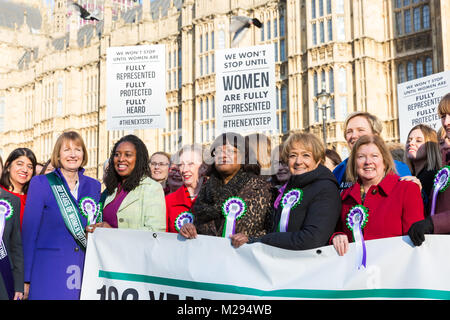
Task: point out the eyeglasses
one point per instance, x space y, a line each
228 150
159 164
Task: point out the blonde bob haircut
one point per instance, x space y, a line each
444 106
388 161
62 139
374 122
432 152
309 141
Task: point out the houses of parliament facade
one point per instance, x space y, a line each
53 73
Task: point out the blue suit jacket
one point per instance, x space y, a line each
53 261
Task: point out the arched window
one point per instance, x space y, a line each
401 73
426 16
410 71
428 66
419 69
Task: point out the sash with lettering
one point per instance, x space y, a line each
68 209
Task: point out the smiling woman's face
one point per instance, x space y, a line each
71 155
301 160
125 159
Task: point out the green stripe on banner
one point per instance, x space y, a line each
282 293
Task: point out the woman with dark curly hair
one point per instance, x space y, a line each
133 199
234 199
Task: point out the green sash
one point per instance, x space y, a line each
68 209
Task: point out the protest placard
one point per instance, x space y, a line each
245 89
136 95
418 101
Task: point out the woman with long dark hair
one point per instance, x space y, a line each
15 179
19 168
133 199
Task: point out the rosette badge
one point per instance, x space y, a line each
182 219
441 183
357 219
6 212
6 209
89 209
290 200
233 209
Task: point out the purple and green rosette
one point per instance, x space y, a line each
357 219
89 209
441 183
6 212
233 209
182 219
290 200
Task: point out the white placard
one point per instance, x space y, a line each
136 87
245 89
418 101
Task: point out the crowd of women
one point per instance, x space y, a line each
295 196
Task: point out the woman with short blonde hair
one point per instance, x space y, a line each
309 141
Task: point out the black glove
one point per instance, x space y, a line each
418 230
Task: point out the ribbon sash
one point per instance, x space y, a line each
230 224
361 253
68 209
356 220
284 219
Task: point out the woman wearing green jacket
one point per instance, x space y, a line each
133 200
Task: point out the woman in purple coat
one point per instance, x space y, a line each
58 207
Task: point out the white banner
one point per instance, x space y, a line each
132 264
245 89
418 101
136 87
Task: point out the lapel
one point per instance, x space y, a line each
353 192
181 198
130 198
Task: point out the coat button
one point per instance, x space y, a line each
77 249
374 191
120 219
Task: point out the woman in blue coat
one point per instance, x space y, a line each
58 207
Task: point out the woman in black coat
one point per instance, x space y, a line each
308 206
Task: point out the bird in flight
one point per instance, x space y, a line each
240 25
82 12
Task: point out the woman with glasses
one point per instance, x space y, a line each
234 199
159 168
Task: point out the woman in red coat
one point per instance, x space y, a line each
179 202
378 203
